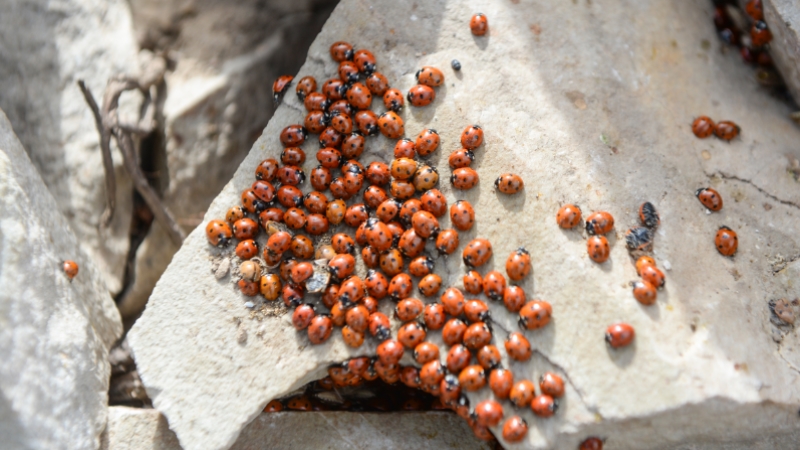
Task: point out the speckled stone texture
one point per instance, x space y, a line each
591 104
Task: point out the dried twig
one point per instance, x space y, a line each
108 124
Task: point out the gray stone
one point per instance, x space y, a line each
45 48
56 333
587 111
783 18
146 429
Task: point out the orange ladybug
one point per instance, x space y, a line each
341 51
472 378
305 86
488 413
760 34
619 335
644 292
430 76
473 282
279 87
420 95
71 268
703 127
600 222
544 406
472 137
464 178
726 241
393 100
514 429
726 130
509 183
477 252
518 264
478 24
500 382
522 393
652 275
518 347
377 83
219 234
568 216
535 314
427 142
710 198
391 125
551 384
591 443
462 215
598 248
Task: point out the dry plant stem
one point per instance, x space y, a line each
108 124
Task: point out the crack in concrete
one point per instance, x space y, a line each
726 176
589 407
788 363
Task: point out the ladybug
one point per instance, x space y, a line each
472 137
514 298
365 61
430 76
251 203
420 95
286 267
342 124
544 406
461 158
472 378
321 178
450 389
477 252
644 292
421 266
400 286
305 86
270 215
289 196
410 244
434 316
340 107
426 352
353 182
71 268
301 403
391 125
377 173
408 309
430 284
301 318
391 262
267 169
388 209
473 282
458 358
710 198
330 138
279 242
478 24
535 314
600 222
652 275
726 241
390 351
464 178
591 443
359 96
356 214
333 89
361 234
488 413
315 202
350 291
219 234
494 283
319 329
341 51
352 145
374 196
619 335
404 148
270 286
379 236
411 334
703 127
279 87
488 357
453 331
316 224
476 311
509 183
376 284
316 121
427 142
639 239
341 266
329 296
425 178
250 271
293 156
500 382
408 209
246 249
518 264
726 130
294 218
453 301
642 262
379 326
377 83
551 384
462 215
598 248
482 433
367 122
389 373
264 190
273 406
409 376
403 168
393 100
234 213
425 224
348 71
434 202
760 34
447 242
432 373
302 247
522 393
316 101
518 347
293 136
754 10
476 335
648 215
401 190
515 429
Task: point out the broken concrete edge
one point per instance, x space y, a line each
783 18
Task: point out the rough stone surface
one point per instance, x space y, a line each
218 100
55 333
783 18
146 429
586 111
45 48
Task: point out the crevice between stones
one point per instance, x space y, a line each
726 176
589 407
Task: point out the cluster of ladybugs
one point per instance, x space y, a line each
704 127
726 241
729 23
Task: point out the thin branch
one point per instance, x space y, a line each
105 149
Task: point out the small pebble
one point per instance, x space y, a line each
455 64
222 270
250 305
667 265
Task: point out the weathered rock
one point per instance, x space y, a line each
146 429
46 48
783 18
56 333
582 122
219 98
